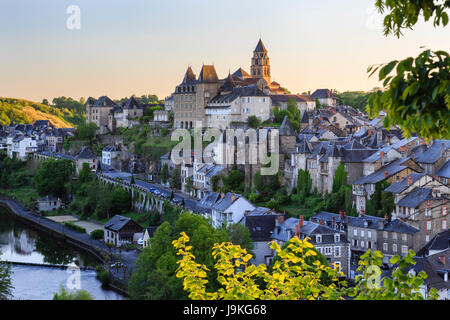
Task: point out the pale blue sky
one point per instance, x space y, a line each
129 47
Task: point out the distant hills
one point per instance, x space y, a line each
25 111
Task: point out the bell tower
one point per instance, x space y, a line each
260 63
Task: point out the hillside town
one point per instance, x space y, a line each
394 197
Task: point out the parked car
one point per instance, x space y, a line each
156 192
116 265
140 242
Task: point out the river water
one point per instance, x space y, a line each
21 244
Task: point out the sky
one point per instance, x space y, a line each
126 47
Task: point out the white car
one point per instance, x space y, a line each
140 242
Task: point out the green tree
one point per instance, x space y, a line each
52 177
234 182
165 173
63 294
298 274
155 274
240 235
253 122
189 185
121 200
175 179
416 96
215 180
340 177
5 281
86 131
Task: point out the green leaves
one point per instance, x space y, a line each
416 98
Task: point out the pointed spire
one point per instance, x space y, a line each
260 47
189 76
229 83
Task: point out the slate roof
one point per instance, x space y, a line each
400 227
286 230
207 202
434 152
444 171
440 242
260 47
240 73
210 170
229 84
86 153
247 91
151 231
49 198
415 198
323 94
399 187
189 77
110 148
104 101
364 221
260 226
117 223
131 103
392 168
224 203
208 74
286 128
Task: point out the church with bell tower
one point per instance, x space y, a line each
260 67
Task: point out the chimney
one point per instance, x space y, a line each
341 214
363 212
300 221
322 222
280 219
246 212
233 198
348 220
386 173
386 217
442 149
296 230
382 154
222 195
442 259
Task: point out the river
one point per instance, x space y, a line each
21 244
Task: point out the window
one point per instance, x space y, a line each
328 250
394 236
355 232
337 238
385 235
355 242
318 238
362 243
337 251
428 212
394 248
404 249
429 225
369 234
385 246
404 237
362 233
444 224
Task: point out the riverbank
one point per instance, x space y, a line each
96 248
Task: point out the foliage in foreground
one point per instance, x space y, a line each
5 281
291 277
63 294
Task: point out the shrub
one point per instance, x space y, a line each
97 234
74 227
103 276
